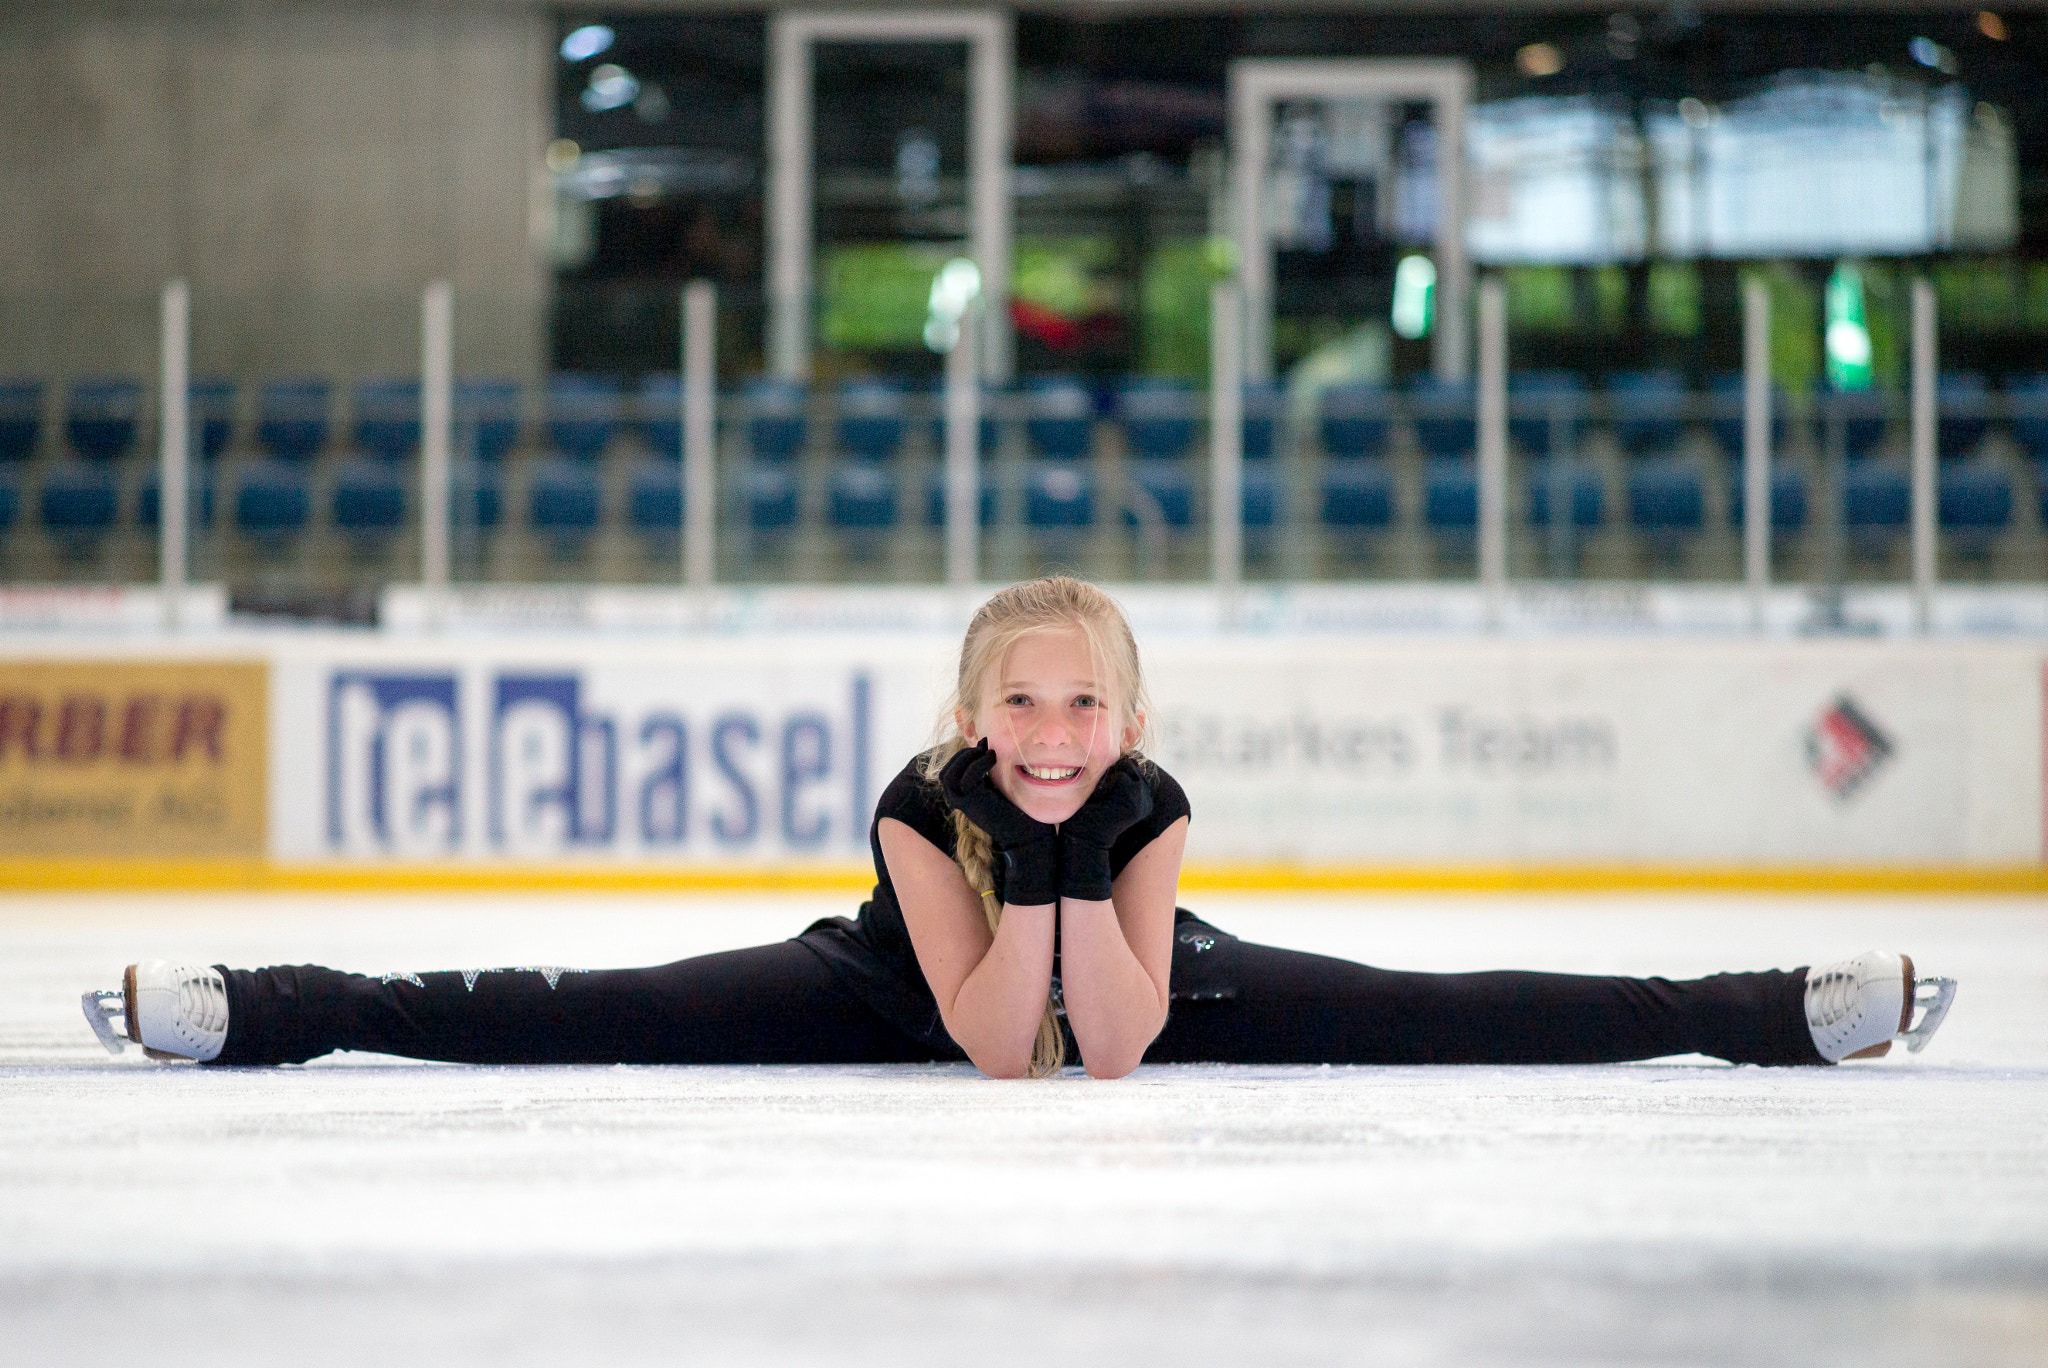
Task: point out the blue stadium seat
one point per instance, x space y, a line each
476 501
388 417
771 496
563 501
486 418
271 502
862 496
2027 396
1355 421
210 408
1358 496
873 416
80 500
1667 502
583 414
1170 487
1724 407
1057 495
1263 406
777 427
292 419
1158 418
1788 500
1962 413
1666 496
1974 504
198 493
1876 504
1261 497
660 400
1450 495
1578 487
101 417
935 500
654 496
368 500
1859 415
21 418
1059 417
991 425
1649 409
1445 418
1546 411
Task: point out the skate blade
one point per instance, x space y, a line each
128 1000
100 1010
1933 996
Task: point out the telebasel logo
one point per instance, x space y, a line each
1844 748
562 772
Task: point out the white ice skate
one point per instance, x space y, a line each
1857 1007
173 1011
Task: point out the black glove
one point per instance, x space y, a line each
1122 798
1028 849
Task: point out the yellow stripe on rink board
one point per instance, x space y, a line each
1617 878
257 876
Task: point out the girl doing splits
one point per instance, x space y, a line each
1023 918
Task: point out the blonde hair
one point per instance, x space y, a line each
1054 603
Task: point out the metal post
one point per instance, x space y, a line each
789 198
1226 443
1251 144
174 438
1493 449
992 123
700 393
963 453
1756 446
1451 357
437 347
1923 455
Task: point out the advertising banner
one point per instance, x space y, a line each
660 755
134 758
773 751
1843 753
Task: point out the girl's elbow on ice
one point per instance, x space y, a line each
1119 1055
1107 1065
1003 1066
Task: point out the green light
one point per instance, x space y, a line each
1414 296
1848 335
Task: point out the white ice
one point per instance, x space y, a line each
364 1209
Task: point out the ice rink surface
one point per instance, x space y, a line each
364 1210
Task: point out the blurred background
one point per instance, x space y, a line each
308 168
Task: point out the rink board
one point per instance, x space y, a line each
721 762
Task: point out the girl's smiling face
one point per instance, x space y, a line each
1053 723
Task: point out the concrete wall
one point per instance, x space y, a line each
307 166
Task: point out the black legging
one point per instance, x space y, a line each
1297 1008
781 1004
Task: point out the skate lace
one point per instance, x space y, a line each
203 1002
1833 998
